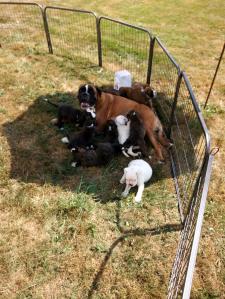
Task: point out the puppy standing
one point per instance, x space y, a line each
137 173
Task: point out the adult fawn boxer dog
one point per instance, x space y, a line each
108 106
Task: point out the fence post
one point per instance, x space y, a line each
150 59
99 41
217 68
47 33
179 78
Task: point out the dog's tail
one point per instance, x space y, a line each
53 104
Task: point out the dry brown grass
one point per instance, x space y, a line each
65 234
53 244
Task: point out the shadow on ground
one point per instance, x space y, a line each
126 234
38 156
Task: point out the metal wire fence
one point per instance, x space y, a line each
73 33
125 47
117 45
164 76
21 25
182 272
191 144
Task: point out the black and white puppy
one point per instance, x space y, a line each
136 135
67 114
84 138
100 156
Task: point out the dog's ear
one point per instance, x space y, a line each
99 91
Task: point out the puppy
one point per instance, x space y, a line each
137 173
118 131
138 94
136 135
67 114
84 138
100 156
111 132
123 128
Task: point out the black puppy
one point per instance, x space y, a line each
111 132
136 137
67 114
103 153
84 138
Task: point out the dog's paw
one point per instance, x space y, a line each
154 93
161 162
125 154
137 199
65 140
170 145
54 121
139 154
73 164
124 194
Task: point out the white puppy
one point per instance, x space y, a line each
123 128
137 173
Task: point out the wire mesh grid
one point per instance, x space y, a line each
125 47
179 277
22 25
190 144
73 33
163 79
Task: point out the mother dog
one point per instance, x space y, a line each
108 106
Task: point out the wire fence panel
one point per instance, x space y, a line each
191 143
80 35
73 33
21 25
164 79
125 47
183 268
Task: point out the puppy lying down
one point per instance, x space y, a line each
67 114
101 155
137 173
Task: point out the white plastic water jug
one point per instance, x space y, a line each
122 79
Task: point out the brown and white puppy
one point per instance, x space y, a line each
108 106
139 94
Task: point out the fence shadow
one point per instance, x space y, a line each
143 232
